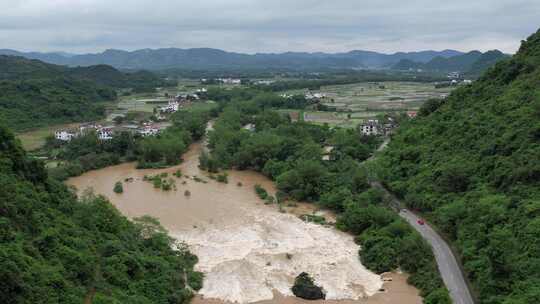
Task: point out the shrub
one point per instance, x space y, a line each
305 288
118 188
223 178
261 192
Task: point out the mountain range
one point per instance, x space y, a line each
210 59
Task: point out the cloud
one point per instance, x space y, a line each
266 26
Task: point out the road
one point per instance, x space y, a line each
447 263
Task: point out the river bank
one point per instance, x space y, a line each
250 252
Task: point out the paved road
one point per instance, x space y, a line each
446 261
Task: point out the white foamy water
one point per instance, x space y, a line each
244 262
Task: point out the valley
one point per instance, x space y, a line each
242 242
259 152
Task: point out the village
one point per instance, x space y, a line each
148 127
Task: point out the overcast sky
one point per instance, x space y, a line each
252 26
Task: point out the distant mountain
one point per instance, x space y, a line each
485 61
457 63
473 63
207 58
18 68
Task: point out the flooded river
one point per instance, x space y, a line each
250 252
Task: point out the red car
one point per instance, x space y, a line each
421 222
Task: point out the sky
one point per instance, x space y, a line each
269 26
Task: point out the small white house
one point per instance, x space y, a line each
326 152
148 131
230 81
310 95
250 127
64 135
454 75
371 127
105 134
171 107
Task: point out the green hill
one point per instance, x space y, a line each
473 64
456 63
35 93
471 164
57 249
18 68
140 81
487 60
31 103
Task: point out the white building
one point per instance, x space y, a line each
230 81
171 107
454 75
250 127
105 134
310 95
370 127
285 95
326 152
148 131
64 135
265 82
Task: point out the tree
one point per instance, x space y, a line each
118 188
305 288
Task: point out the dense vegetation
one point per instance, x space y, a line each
471 163
473 64
57 249
292 155
87 152
35 94
32 103
139 81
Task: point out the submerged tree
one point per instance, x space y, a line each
305 288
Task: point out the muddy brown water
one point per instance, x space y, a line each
249 252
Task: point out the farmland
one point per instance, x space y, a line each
353 103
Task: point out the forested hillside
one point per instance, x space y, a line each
19 68
33 103
57 249
36 93
139 81
472 64
471 164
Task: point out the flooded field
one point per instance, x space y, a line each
249 252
